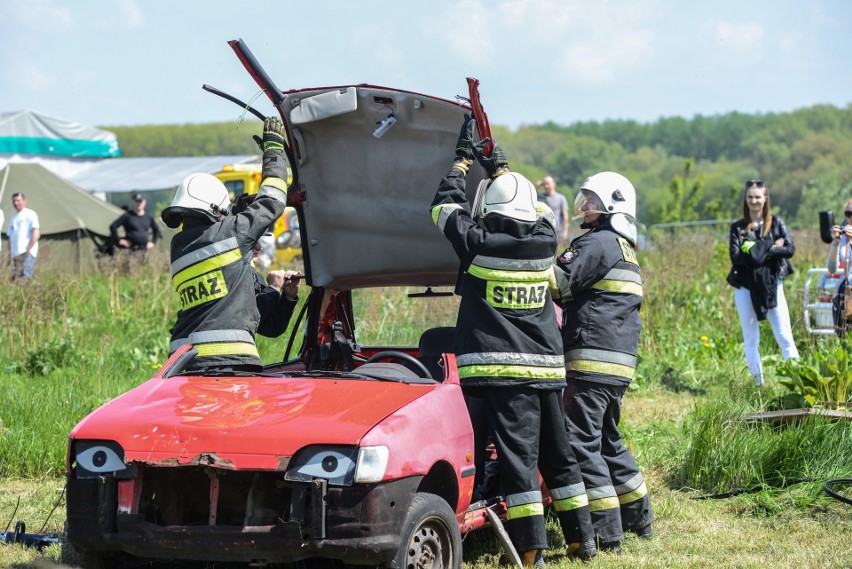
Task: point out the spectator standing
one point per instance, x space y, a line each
599 285
760 248
23 236
838 257
508 347
141 232
559 204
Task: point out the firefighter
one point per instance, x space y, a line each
210 261
507 346
600 288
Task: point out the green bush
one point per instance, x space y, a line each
818 377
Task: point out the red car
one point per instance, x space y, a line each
358 446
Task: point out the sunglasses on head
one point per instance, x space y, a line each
757 183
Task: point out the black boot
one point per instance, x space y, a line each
583 551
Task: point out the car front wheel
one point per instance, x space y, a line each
430 536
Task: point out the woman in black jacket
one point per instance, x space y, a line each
760 248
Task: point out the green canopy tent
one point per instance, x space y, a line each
73 224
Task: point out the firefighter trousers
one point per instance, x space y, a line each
618 498
528 426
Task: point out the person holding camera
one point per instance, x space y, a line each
760 250
838 256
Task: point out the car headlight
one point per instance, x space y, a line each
100 458
372 462
334 463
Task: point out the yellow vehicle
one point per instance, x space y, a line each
245 179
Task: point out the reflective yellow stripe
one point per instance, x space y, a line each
462 165
511 371
226 349
571 503
600 367
634 495
619 286
555 293
446 209
514 276
216 262
276 182
603 504
525 511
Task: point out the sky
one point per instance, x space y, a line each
137 62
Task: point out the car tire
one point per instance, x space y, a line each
430 536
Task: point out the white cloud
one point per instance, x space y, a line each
742 38
469 29
30 77
791 44
605 57
130 13
120 14
581 40
46 15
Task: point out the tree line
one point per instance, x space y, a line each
683 169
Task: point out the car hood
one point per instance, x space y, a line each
242 422
366 217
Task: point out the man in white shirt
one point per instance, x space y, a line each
23 235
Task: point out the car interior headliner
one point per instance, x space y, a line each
366 212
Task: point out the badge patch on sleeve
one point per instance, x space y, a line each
569 255
627 251
204 288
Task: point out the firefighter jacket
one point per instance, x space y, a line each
597 279
212 274
506 331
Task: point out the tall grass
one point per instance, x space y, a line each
71 342
68 343
727 455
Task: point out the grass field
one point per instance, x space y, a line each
70 343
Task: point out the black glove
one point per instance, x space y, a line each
465 142
492 163
272 145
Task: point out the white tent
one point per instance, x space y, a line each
148 174
62 146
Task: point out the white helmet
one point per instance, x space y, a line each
510 195
201 193
616 197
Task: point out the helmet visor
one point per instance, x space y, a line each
587 202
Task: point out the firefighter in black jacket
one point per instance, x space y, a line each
210 261
508 347
598 283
